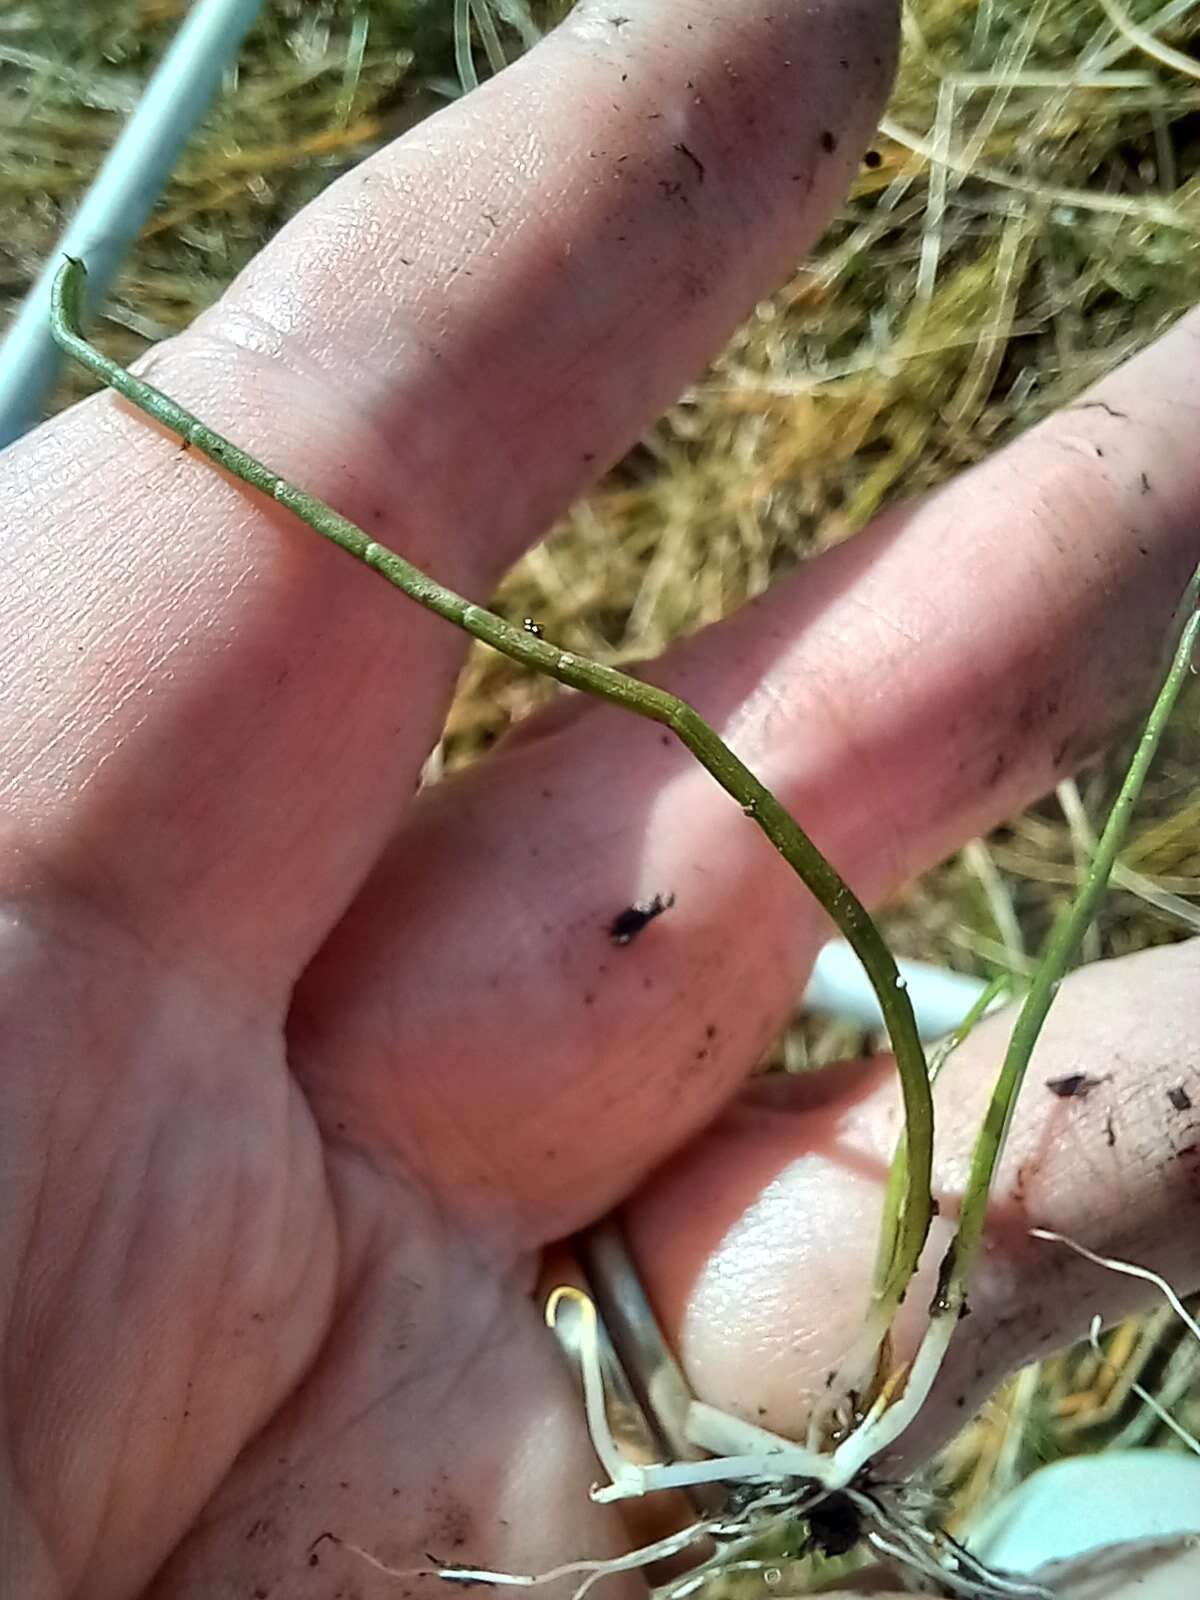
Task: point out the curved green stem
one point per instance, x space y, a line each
910 1224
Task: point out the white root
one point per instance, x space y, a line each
1128 1270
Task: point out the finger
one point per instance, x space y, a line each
214 718
777 1208
900 694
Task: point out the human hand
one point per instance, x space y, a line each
303 1074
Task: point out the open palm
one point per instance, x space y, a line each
303 1070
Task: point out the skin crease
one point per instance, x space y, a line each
301 1075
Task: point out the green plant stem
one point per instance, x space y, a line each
1064 941
464 60
898 1174
486 24
910 1224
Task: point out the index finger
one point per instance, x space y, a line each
216 719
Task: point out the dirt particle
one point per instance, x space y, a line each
1110 1133
1100 405
1180 1099
1072 1085
627 924
996 769
690 155
828 140
1145 483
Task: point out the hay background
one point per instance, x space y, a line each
949 307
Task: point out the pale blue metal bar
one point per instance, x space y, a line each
120 199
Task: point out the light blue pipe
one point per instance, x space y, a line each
941 999
120 199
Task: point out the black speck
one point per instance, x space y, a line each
996 769
1098 450
1072 1086
1180 1099
1145 483
691 156
670 187
665 739
828 141
618 22
1110 1133
627 924
589 999
711 1031
872 159
1099 405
